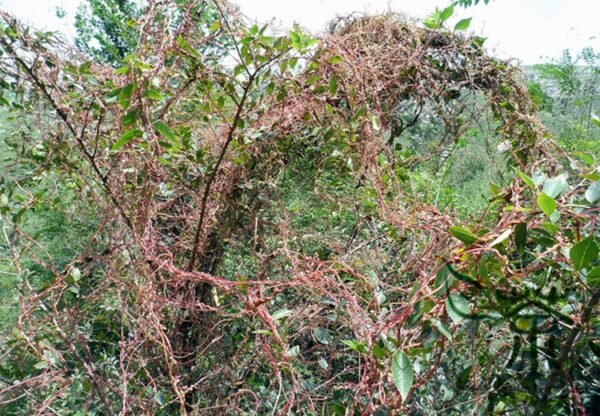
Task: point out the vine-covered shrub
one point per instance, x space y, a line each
259 245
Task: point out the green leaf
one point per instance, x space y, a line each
126 138
494 189
478 42
443 329
153 94
165 131
160 397
546 204
502 237
463 235
262 332
528 181
463 377
335 60
592 194
586 158
447 13
521 237
464 277
124 70
40 365
113 95
593 278
458 308
241 68
378 352
294 351
130 117
281 313
463 24
523 324
431 23
556 186
402 374
215 26
332 84
443 280
125 95
295 38
584 253
355 345
186 46
591 176
551 229
323 335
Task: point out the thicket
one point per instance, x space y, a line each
231 221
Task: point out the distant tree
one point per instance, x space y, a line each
107 29
469 3
572 83
104 29
539 96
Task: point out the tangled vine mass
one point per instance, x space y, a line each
252 238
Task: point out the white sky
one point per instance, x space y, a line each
528 30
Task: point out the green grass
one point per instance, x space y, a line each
8 293
8 276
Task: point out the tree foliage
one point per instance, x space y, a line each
570 112
106 29
469 3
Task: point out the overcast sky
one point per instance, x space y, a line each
529 30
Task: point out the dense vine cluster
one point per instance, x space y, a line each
256 246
